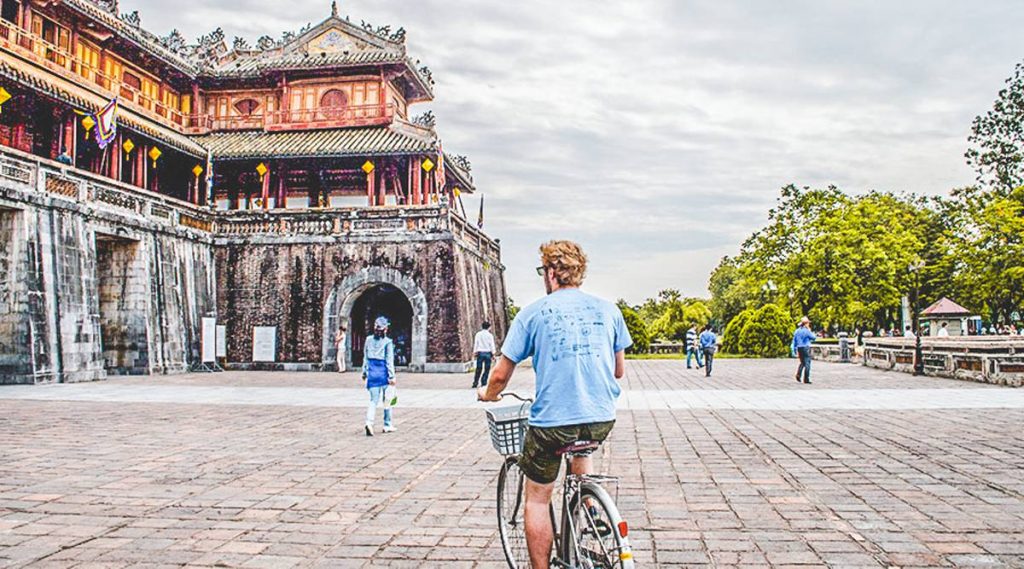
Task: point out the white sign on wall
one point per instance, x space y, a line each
264 343
222 341
208 337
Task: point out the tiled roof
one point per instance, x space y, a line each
77 96
946 307
463 178
137 35
319 143
251 65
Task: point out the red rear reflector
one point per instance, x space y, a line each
623 529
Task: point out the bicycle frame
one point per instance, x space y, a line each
571 486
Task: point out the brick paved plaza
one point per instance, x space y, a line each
860 469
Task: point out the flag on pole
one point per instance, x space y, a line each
440 177
480 218
106 123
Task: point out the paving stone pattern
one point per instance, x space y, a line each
107 483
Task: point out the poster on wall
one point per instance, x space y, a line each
222 341
208 337
264 343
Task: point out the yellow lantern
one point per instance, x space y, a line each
154 153
4 97
456 192
368 167
428 165
197 170
261 169
88 122
128 146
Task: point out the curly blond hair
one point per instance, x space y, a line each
567 259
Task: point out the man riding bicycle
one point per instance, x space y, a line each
577 342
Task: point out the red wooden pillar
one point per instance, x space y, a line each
382 184
145 165
279 202
139 178
417 181
371 189
265 194
115 164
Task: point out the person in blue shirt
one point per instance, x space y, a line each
709 345
379 372
577 342
801 347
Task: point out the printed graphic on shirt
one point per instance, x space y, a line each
572 328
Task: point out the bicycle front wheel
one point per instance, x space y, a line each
511 527
599 538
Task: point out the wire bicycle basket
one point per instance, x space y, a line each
508 428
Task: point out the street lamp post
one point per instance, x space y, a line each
768 290
915 269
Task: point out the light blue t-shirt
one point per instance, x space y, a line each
572 337
802 338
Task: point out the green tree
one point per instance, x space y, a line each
511 309
696 313
992 252
637 329
997 137
842 260
766 333
731 289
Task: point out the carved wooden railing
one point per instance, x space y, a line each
68 65
319 117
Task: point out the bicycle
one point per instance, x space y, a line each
592 533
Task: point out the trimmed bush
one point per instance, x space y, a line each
767 333
731 334
637 331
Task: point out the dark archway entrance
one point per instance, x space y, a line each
382 300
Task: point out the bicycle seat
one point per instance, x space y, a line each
578 447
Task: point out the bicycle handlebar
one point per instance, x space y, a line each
516 395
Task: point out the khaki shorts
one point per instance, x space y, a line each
539 461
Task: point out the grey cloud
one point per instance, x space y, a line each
658 132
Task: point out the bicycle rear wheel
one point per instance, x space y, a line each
510 515
599 538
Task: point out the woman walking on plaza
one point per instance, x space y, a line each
379 372
339 344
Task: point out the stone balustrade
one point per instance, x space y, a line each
986 359
24 177
30 179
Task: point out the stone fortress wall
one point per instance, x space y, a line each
101 278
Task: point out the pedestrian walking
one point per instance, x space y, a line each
709 345
693 347
379 372
943 331
483 349
339 345
801 347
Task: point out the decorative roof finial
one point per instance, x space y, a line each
334 9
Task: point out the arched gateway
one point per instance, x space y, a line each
359 298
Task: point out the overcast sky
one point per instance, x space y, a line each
657 133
